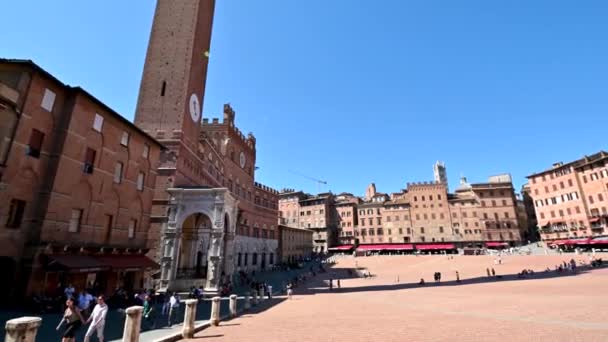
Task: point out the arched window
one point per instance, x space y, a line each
8 122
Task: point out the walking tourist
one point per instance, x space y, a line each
493 272
72 319
173 308
97 320
339 286
269 289
289 291
148 313
488 272
331 284
457 277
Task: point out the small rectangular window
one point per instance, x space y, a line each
35 145
75 220
132 226
98 123
89 160
118 172
108 226
124 140
146 151
48 100
15 213
140 181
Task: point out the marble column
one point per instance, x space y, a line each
23 329
215 311
132 324
190 315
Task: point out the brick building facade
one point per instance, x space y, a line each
295 244
474 215
219 211
316 213
571 199
346 216
76 186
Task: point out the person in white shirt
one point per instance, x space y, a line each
173 307
97 320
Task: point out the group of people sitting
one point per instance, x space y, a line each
524 273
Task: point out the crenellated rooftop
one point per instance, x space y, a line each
229 120
263 187
424 185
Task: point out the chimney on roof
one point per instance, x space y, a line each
558 164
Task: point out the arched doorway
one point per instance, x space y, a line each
191 261
199 263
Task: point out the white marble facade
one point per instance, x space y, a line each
201 232
201 222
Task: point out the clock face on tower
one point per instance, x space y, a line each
242 160
195 108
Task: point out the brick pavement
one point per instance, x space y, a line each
544 307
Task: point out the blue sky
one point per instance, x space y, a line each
353 91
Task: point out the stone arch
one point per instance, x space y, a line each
109 215
191 257
191 211
135 212
94 140
25 178
82 196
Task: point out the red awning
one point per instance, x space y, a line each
557 242
127 261
599 241
497 244
341 248
386 247
76 263
439 246
570 242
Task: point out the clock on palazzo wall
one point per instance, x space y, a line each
195 108
242 160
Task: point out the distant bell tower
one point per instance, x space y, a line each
439 173
172 88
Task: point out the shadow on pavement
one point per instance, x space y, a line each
321 285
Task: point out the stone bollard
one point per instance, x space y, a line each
188 330
22 329
255 297
132 324
215 311
247 301
233 299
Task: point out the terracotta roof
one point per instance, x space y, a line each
576 163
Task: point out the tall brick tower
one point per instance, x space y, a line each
170 100
172 88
